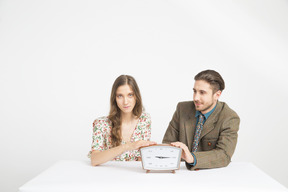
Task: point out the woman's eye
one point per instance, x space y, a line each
119 96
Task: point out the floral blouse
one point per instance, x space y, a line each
101 138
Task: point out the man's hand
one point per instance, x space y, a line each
186 154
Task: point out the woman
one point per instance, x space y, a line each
119 136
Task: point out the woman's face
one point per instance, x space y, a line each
125 99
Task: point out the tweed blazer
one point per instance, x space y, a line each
217 140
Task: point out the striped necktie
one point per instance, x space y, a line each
199 128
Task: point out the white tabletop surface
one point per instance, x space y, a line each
80 176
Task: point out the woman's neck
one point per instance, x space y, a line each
127 117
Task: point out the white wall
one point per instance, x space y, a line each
58 60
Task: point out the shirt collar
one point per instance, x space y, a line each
206 115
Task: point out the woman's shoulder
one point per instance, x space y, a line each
145 116
103 118
101 121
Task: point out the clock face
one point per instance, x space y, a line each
161 157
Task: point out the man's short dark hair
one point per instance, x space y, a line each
213 78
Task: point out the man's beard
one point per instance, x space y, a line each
206 107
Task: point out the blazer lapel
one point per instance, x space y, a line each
190 125
212 119
208 126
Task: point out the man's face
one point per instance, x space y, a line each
203 96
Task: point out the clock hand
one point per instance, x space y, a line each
161 157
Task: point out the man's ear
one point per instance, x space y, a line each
217 94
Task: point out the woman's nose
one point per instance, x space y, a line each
125 100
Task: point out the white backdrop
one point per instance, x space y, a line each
58 60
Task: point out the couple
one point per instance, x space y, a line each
205 128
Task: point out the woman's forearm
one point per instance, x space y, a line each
99 157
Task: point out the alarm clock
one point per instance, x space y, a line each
161 157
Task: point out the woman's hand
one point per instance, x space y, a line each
137 144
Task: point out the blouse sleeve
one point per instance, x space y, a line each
146 135
97 137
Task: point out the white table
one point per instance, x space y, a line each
80 176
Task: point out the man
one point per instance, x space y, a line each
205 128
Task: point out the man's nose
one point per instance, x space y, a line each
196 97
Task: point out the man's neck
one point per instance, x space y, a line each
209 109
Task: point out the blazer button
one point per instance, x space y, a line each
209 144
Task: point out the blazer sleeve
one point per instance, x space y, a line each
225 146
172 132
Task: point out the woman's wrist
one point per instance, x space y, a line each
127 147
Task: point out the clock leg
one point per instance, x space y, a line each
147 171
173 171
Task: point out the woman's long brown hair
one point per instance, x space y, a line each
115 113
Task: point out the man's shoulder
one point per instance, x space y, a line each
222 108
226 110
186 104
